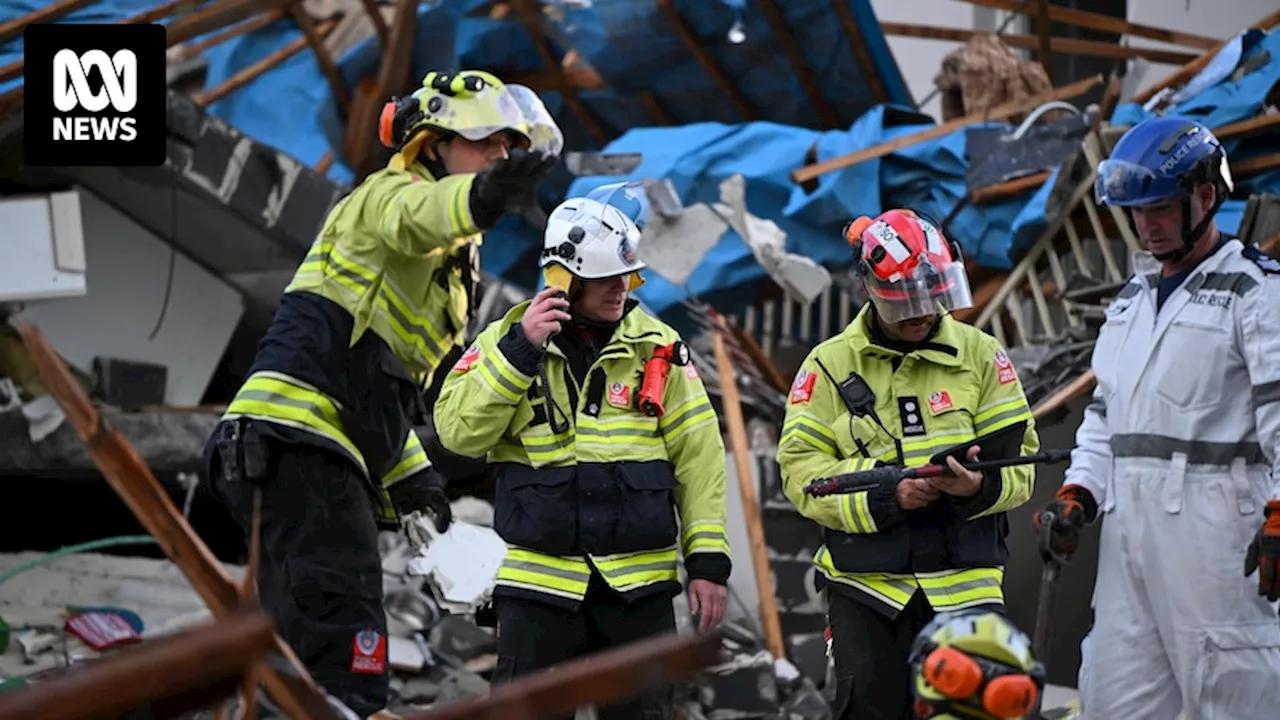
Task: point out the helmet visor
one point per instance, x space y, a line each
922 294
546 134
1126 184
494 110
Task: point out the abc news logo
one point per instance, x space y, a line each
94 95
71 90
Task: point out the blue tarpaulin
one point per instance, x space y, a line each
634 48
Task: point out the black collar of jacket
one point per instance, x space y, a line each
941 347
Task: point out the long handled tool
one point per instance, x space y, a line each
868 479
1053 564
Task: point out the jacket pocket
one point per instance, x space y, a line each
1236 671
1193 390
882 552
538 509
646 517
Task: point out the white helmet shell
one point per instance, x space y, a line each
591 240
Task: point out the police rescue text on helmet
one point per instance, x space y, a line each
1155 171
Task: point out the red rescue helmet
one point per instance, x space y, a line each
907 266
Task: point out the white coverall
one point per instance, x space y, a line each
1181 449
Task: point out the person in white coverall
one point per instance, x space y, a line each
1179 449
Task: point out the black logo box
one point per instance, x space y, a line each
41 42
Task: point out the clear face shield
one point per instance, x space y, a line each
546 134
929 290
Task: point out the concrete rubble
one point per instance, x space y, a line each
435 585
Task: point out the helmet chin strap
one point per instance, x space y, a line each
1190 235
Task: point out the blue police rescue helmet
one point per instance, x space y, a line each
1159 160
1164 159
629 197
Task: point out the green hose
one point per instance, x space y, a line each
72 549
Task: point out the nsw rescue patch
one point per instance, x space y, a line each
468 359
369 653
690 371
619 395
802 388
939 401
910 417
1005 366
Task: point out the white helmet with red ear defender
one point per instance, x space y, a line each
908 267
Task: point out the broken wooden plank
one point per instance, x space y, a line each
856 43
1000 112
189 51
696 47
529 12
804 74
597 679
1188 71
47 14
251 73
1008 188
155 670
392 78
315 39
379 22
1082 385
290 685
1044 44
1105 23
207 20
1070 46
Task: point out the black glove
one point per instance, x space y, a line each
423 491
507 185
1072 507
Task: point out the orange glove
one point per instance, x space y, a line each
1264 554
1073 507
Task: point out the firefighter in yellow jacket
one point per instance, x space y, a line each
901 384
608 460
323 424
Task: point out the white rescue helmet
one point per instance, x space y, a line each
591 241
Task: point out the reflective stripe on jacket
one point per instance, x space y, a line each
396 256
599 493
956 386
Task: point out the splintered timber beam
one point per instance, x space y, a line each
392 79
189 51
804 75
1104 23
186 27
1000 112
251 73
289 685
597 679
315 40
1069 46
530 15
1188 71
46 14
857 44
696 47
167 671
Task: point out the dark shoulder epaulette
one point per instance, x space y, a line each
1269 265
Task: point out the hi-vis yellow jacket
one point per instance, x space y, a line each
600 493
377 303
956 387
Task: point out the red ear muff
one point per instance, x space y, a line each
385 123
1010 696
952 673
